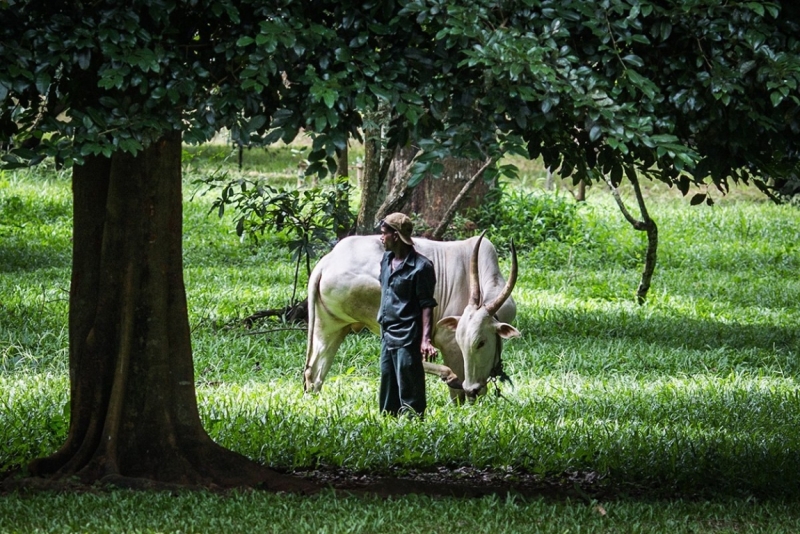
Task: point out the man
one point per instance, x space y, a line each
406 318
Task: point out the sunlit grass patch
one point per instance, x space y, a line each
684 432
695 391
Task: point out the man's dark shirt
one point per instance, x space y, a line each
404 293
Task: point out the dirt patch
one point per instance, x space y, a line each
459 482
465 482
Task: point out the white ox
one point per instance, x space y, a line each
474 307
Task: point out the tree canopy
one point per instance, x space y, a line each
684 89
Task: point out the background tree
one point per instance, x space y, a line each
687 92
681 91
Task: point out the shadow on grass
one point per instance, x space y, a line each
736 343
20 254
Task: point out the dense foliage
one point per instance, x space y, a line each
698 86
680 90
530 219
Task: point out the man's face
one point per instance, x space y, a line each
389 238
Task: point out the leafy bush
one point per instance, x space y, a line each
530 219
306 221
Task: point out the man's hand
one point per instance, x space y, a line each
426 347
428 350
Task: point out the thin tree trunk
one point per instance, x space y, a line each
377 160
134 419
580 196
647 225
549 183
342 162
342 228
371 182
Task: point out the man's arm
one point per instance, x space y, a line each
426 347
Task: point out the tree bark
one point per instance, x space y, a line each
134 418
384 185
580 194
342 162
458 201
370 182
373 181
435 199
398 173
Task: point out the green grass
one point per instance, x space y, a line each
331 513
692 395
334 513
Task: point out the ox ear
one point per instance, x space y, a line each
450 323
506 331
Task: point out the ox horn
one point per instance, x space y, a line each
493 306
474 280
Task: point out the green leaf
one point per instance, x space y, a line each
664 138
415 179
43 82
256 123
698 198
83 58
381 92
684 184
413 98
747 66
665 30
329 97
634 60
757 7
281 117
616 174
320 121
244 41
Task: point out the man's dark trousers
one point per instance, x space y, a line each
402 381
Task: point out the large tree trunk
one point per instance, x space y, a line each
466 194
433 199
134 417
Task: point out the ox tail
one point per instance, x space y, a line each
313 297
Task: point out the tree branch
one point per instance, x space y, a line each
448 216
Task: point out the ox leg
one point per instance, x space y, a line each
321 350
445 373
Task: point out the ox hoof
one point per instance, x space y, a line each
453 382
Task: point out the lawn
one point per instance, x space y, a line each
680 414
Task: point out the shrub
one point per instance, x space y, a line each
307 222
530 219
